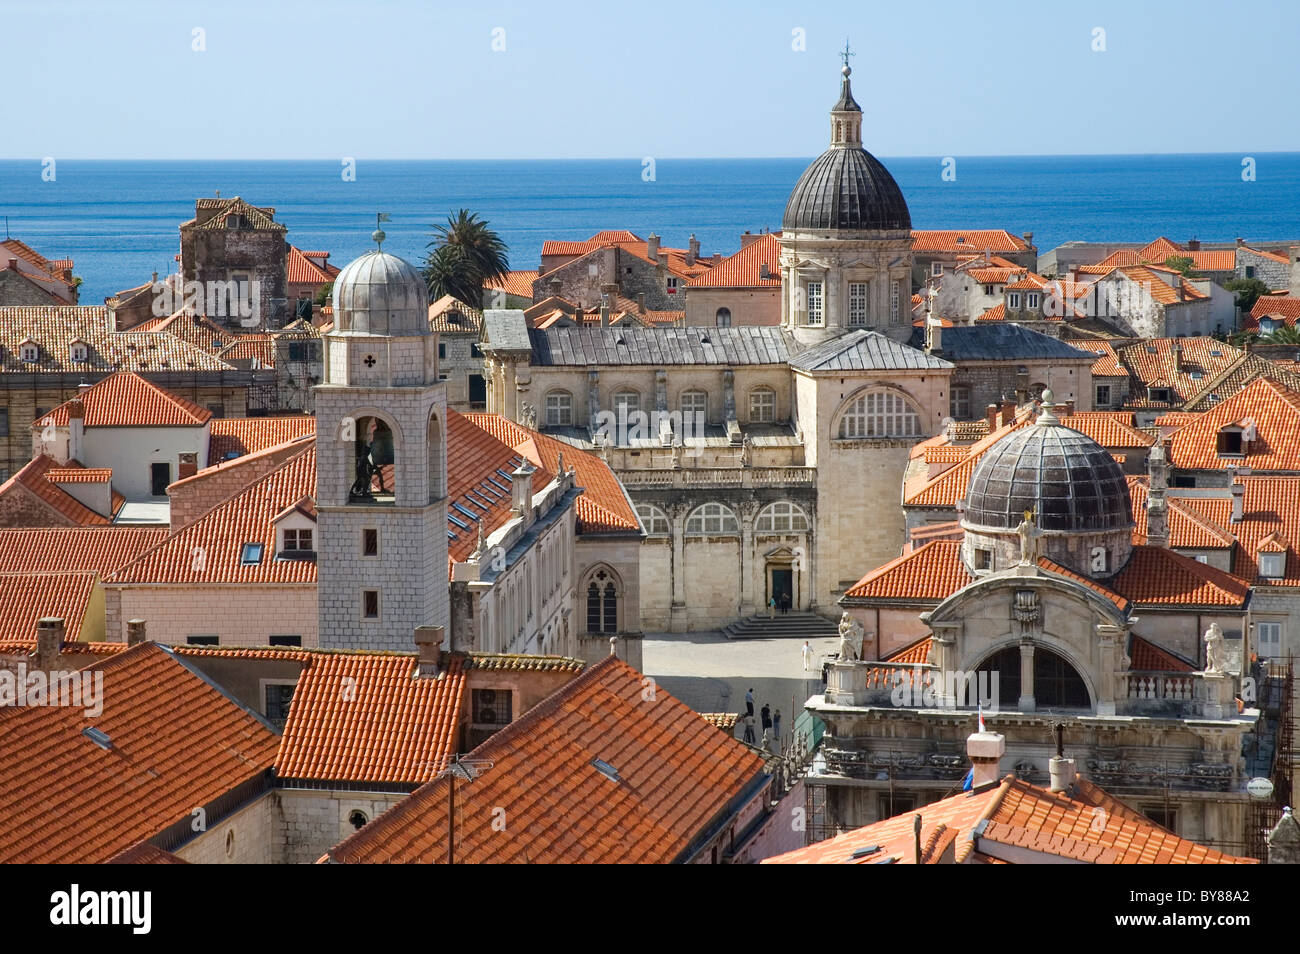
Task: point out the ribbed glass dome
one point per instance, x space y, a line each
1069 479
380 294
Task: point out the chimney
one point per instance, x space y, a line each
428 649
747 238
1177 349
693 248
1008 411
933 335
521 487
1240 240
76 426
49 642
991 417
985 750
1238 502
1069 407
1059 767
155 278
1029 238
1193 245
135 632
188 466
554 287
13 264
640 303
652 247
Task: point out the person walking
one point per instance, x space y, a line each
765 714
806 651
771 608
776 725
749 702
749 729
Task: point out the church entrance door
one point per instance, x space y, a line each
782 587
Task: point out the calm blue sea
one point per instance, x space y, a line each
118 220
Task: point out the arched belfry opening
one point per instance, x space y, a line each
437 459
375 458
1056 683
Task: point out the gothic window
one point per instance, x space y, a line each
782 517
654 520
762 406
559 409
880 414
723 318
713 519
626 401
602 603
858 303
814 303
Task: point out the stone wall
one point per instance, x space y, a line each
1274 274
748 306
238 614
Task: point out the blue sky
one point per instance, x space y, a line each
616 79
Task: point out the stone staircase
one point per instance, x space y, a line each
789 626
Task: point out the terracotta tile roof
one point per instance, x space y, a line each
125 399
1275 412
74 550
259 217
16 646
248 435
1282 306
972 240
1250 368
1161 292
1175 419
451 316
518 282
32 477
27 597
303 271
220 535
996 276
1152 364
997 313
367 717
1270 512
177 743
1155 576
917 654
520 662
931 573
1107 364
252 348
22 250
55 328
674 258
603 506
1101 589
1188 529
1110 429
1020 814
79 475
1146 656
1268 253
744 269
675 774
946 454
145 854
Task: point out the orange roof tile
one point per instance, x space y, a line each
982 825
931 573
1161 292
675 774
1151 363
74 549
1156 576
1281 306
744 269
367 717
247 435
303 271
125 399
518 282
1107 364
1275 411
1145 656
27 597
32 478
1188 529
966 240
1270 511
176 741
451 316
603 506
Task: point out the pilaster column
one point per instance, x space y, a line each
1026 702
593 399
677 623
748 559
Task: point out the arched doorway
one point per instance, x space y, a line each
1057 684
375 455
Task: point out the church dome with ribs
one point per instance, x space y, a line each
380 294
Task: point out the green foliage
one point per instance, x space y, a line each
323 296
1181 264
464 254
1247 290
1287 335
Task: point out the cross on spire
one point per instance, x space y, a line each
846 52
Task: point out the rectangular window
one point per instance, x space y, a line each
695 404
858 303
1013 301
762 406
1166 818
672 285
4 422
474 350
887 806
492 707
1272 566
559 409
1032 301
1229 443
201 640
298 540
814 303
370 542
370 604
442 351
297 351
895 311
218 410
959 403
983 558
286 640
276 707
1160 395
251 555
1103 395
1250 271
936 268
1268 640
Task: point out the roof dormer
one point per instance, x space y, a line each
29 351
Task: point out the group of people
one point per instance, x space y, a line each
771 722
775 603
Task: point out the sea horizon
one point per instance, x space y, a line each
117 218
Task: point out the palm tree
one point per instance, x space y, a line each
1287 334
463 255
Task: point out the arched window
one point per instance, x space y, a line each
782 517
626 401
762 406
695 405
723 318
1057 685
713 519
654 520
437 464
375 460
559 409
880 414
602 602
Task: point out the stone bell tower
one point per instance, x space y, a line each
381 450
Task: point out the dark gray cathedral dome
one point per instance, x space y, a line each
846 188
1068 478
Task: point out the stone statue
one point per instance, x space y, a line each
528 416
1215 654
1029 539
746 451
677 454
850 631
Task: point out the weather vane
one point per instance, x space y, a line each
846 52
378 235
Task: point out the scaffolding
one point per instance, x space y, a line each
1274 755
